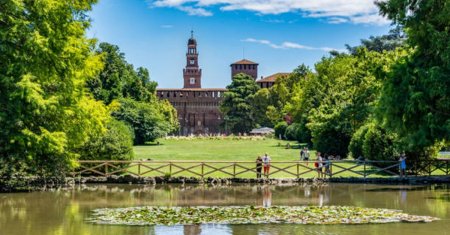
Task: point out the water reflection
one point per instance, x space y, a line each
65 211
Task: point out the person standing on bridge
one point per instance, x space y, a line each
259 163
266 162
402 161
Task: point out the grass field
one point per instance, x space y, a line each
229 150
218 150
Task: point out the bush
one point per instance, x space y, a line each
292 131
115 144
149 120
298 132
380 145
355 147
332 138
374 143
280 129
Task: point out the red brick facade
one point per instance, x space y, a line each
198 109
244 66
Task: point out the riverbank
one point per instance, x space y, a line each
129 179
34 184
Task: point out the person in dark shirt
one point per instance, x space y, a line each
258 167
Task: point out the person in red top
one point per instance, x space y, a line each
266 163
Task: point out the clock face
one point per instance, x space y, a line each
192 61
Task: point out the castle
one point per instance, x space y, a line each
197 107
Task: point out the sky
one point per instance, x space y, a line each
278 34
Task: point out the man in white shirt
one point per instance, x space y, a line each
266 163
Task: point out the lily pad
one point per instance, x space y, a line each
251 215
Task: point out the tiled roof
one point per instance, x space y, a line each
244 61
191 89
273 77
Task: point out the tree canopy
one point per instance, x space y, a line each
45 60
415 100
237 104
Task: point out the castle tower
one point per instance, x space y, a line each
245 66
192 74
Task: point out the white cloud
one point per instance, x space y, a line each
181 5
192 11
337 11
289 45
166 26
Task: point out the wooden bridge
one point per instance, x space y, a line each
247 169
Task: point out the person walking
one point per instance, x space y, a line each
259 163
266 162
318 164
306 155
402 161
327 166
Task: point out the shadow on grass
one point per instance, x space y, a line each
290 146
149 144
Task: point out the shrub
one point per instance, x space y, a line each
280 129
146 118
114 144
355 147
380 145
374 143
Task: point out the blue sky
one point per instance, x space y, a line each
277 34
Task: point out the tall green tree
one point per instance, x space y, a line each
415 101
237 104
45 60
138 106
118 79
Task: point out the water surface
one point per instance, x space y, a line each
65 211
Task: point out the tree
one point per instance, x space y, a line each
237 104
149 120
139 107
415 100
116 143
346 93
45 60
394 39
261 102
118 79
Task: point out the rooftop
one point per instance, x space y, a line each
244 61
191 89
273 77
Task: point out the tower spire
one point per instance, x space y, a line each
192 33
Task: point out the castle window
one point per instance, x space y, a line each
168 94
174 94
192 81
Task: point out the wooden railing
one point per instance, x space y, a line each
247 169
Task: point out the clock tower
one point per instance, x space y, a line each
192 74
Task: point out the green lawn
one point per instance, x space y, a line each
218 150
229 150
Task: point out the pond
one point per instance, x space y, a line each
66 211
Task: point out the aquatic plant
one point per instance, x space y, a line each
251 215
